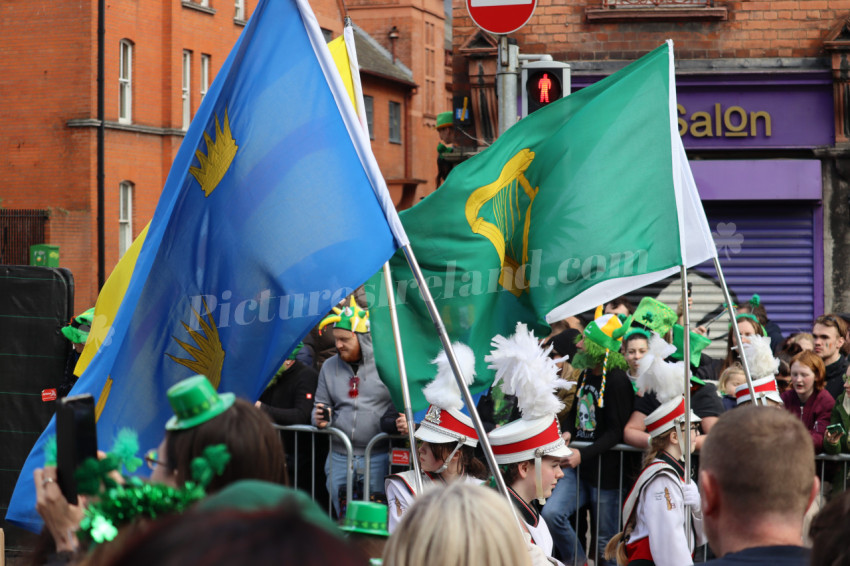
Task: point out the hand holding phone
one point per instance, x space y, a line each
76 440
834 432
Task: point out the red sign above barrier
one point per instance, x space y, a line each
500 16
400 457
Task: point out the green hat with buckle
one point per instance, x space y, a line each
78 329
444 120
195 401
367 518
698 344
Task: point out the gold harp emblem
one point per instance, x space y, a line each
501 212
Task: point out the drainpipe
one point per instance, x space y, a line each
101 246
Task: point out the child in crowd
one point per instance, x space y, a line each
807 399
656 510
732 377
529 450
448 439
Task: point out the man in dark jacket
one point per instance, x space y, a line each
288 400
829 331
759 521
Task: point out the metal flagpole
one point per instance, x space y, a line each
402 373
686 349
484 442
735 330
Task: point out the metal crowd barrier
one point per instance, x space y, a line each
622 449
332 433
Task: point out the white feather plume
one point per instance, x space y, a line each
524 369
665 379
443 392
760 357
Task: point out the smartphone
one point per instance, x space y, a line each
833 428
326 413
76 440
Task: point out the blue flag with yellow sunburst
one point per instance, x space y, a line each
273 211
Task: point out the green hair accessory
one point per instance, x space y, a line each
210 463
118 504
750 317
755 301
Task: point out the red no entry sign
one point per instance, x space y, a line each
500 16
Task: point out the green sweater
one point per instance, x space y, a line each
839 416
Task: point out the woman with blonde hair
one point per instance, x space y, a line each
461 525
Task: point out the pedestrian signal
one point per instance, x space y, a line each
543 83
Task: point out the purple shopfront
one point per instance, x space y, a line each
750 139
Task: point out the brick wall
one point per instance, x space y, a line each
754 29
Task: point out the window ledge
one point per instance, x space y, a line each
198 7
239 22
137 128
657 14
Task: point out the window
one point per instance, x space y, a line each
395 122
205 3
239 14
187 95
125 81
125 217
205 74
369 108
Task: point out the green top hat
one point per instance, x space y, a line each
366 517
78 330
195 401
655 316
698 344
444 120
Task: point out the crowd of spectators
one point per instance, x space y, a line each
246 510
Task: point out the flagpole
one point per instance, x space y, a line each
686 349
735 331
402 373
483 440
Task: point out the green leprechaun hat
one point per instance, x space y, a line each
655 316
195 401
607 330
444 120
367 518
78 330
351 318
698 344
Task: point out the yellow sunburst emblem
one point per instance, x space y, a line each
507 218
216 162
208 357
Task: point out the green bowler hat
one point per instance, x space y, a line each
444 119
195 401
698 344
366 517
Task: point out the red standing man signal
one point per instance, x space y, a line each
543 85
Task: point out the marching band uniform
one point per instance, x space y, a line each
657 505
443 423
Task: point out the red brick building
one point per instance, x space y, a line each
160 57
783 190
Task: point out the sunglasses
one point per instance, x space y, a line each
353 386
152 459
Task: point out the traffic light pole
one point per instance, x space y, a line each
506 83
